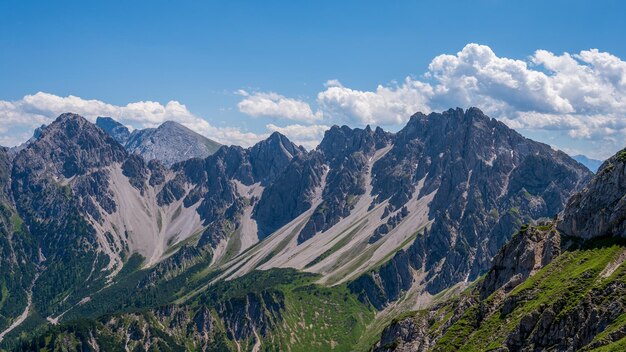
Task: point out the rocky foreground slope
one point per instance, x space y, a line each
556 286
363 221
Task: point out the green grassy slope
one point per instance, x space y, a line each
578 301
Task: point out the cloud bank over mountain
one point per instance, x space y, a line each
582 95
581 98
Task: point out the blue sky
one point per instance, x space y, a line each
250 67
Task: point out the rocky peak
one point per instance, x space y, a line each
484 179
115 129
170 143
271 156
339 142
73 145
600 208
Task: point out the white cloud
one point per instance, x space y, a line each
387 105
42 108
276 106
308 136
578 97
582 96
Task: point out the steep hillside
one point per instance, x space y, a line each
18 256
554 286
373 219
274 310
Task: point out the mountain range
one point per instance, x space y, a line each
160 239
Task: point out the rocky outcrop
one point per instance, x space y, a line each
243 317
529 250
600 209
5 174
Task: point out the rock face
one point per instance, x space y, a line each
530 250
291 194
346 151
600 209
546 290
169 143
486 180
115 129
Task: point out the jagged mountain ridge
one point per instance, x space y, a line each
556 285
169 143
362 199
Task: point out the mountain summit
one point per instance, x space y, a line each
169 143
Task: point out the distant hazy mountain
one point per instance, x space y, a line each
591 164
169 143
256 244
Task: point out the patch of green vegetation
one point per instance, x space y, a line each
621 156
4 294
132 290
546 227
132 265
191 240
232 247
314 318
355 263
619 345
16 222
564 283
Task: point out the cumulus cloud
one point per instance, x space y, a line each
387 105
577 98
17 117
580 96
308 136
276 106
